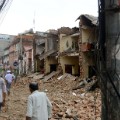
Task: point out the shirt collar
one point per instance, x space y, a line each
35 91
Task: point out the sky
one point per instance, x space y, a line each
47 14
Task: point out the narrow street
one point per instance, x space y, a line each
70 48
67 104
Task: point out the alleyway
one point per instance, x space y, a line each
67 104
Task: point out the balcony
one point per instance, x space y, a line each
85 47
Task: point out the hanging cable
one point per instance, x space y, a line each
4 12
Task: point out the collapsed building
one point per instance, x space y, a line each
68 50
46 52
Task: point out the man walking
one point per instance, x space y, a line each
39 106
2 92
9 77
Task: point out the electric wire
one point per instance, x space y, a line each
4 13
104 64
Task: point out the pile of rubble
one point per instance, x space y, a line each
72 98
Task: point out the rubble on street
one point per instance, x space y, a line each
70 97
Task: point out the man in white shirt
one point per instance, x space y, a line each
9 77
2 92
39 106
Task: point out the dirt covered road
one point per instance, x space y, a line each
67 104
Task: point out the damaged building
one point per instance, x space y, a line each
69 50
76 48
46 52
51 61
39 48
87 44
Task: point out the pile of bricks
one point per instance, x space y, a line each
68 104
73 105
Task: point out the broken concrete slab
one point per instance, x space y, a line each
47 77
38 77
32 75
63 76
66 75
67 104
60 77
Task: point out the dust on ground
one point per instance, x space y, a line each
68 104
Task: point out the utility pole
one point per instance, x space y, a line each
21 54
34 52
34 23
109 58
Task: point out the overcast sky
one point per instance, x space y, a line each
48 14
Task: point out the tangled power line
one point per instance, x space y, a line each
4 7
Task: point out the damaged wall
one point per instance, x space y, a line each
51 46
87 40
87 62
39 65
48 62
88 35
69 60
40 49
68 43
65 43
51 42
40 45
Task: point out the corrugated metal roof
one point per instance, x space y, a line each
92 18
75 34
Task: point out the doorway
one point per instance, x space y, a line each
91 71
68 69
53 67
